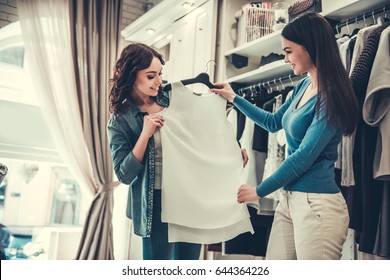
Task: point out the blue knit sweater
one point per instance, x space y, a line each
312 144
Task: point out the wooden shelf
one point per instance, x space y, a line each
271 42
353 8
263 73
261 46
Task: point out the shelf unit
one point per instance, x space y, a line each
266 72
335 10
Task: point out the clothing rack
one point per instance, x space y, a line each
270 84
362 17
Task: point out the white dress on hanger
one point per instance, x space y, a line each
275 157
202 165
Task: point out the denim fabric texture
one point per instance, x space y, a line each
157 247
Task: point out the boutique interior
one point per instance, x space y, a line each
60 198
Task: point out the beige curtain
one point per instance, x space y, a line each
95 31
72 46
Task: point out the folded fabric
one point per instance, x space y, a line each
270 58
303 6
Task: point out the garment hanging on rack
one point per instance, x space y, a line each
257 95
251 244
369 212
260 138
275 157
376 107
347 170
344 52
243 243
376 112
199 149
367 192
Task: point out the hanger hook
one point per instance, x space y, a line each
207 64
364 19
337 29
289 77
280 80
277 86
384 11
348 26
269 87
373 18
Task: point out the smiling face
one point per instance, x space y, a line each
297 56
148 80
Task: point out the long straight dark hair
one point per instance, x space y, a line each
335 92
134 57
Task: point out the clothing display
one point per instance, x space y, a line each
376 107
197 135
275 157
347 170
364 158
368 192
251 244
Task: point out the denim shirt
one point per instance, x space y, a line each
123 132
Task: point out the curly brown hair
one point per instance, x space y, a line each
134 57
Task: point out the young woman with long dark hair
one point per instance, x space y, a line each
311 219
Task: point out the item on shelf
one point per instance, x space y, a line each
270 58
281 16
303 6
254 22
3 172
238 61
266 5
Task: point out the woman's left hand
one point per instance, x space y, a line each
247 193
245 157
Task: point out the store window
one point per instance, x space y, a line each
12 56
39 197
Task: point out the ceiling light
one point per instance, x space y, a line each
169 36
150 30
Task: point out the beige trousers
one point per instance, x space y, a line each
308 226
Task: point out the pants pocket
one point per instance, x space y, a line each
314 201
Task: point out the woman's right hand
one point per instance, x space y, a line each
151 122
225 90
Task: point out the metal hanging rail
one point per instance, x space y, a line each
362 17
270 83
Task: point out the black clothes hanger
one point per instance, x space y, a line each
354 32
202 78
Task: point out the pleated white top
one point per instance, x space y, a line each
202 165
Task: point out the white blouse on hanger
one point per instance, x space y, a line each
202 165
